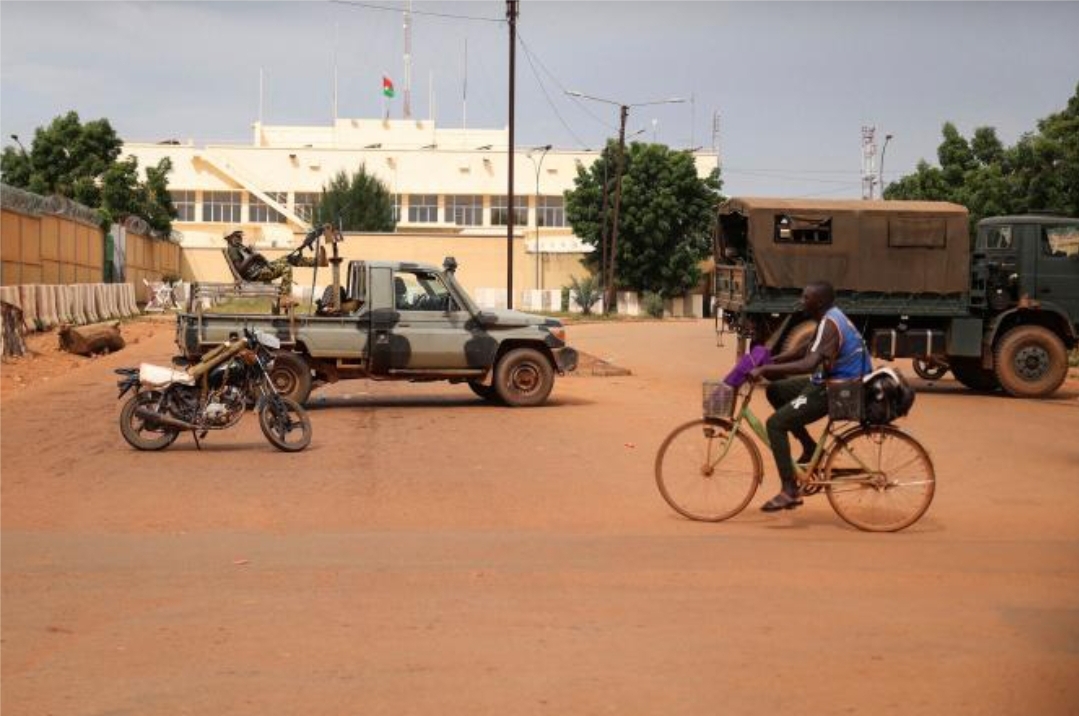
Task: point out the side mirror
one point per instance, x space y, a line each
486 319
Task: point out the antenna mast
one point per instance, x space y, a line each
869 161
408 61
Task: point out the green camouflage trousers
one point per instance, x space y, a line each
282 269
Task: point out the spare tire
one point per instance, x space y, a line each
799 336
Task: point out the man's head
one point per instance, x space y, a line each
817 298
235 236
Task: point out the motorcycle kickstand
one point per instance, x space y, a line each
195 434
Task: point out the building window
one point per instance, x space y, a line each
423 208
798 230
551 211
306 204
499 212
223 206
262 213
184 201
465 210
396 208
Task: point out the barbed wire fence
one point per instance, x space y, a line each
26 202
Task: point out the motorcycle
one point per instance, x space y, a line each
212 394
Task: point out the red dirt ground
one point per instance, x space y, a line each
430 553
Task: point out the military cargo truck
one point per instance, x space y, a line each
1001 309
401 321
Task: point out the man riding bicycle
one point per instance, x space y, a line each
836 352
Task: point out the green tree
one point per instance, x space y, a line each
1039 173
81 162
362 202
665 220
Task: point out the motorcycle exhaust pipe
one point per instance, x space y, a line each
167 421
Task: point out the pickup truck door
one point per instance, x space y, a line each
1058 268
433 331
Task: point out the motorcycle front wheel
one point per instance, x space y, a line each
137 432
285 424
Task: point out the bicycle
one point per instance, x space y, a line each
877 477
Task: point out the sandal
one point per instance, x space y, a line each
782 501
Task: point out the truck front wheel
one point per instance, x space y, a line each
291 376
1031 362
523 377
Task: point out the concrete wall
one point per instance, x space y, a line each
49 249
58 250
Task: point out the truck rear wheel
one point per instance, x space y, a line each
523 378
799 336
291 376
970 373
1031 362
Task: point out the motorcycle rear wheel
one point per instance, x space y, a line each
135 430
285 424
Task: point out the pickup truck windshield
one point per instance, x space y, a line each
421 291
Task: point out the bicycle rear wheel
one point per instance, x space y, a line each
879 479
707 472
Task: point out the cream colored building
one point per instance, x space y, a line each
449 187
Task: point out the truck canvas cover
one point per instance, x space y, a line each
874 246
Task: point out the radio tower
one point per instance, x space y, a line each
408 61
869 161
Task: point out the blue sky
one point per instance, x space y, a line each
793 82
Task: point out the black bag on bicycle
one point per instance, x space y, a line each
888 396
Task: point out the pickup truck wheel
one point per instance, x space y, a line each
487 392
799 336
523 377
970 373
1031 362
291 376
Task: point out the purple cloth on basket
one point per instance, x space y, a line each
757 356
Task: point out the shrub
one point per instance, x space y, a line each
652 303
586 292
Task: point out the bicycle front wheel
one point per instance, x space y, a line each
708 471
879 479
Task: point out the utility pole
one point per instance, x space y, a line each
623 114
603 231
609 298
512 8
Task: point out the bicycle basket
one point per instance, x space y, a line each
719 399
845 399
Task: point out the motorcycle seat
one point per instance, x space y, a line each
159 376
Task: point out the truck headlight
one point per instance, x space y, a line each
558 332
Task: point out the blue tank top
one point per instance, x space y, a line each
852 360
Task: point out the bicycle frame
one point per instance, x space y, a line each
807 475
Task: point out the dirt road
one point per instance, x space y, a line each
433 554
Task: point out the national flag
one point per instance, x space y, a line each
387 86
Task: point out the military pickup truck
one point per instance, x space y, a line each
1001 310
401 321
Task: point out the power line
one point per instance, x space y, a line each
562 87
445 15
539 81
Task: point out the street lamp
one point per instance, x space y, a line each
623 114
16 138
542 151
887 138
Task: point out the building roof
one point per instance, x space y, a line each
744 203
